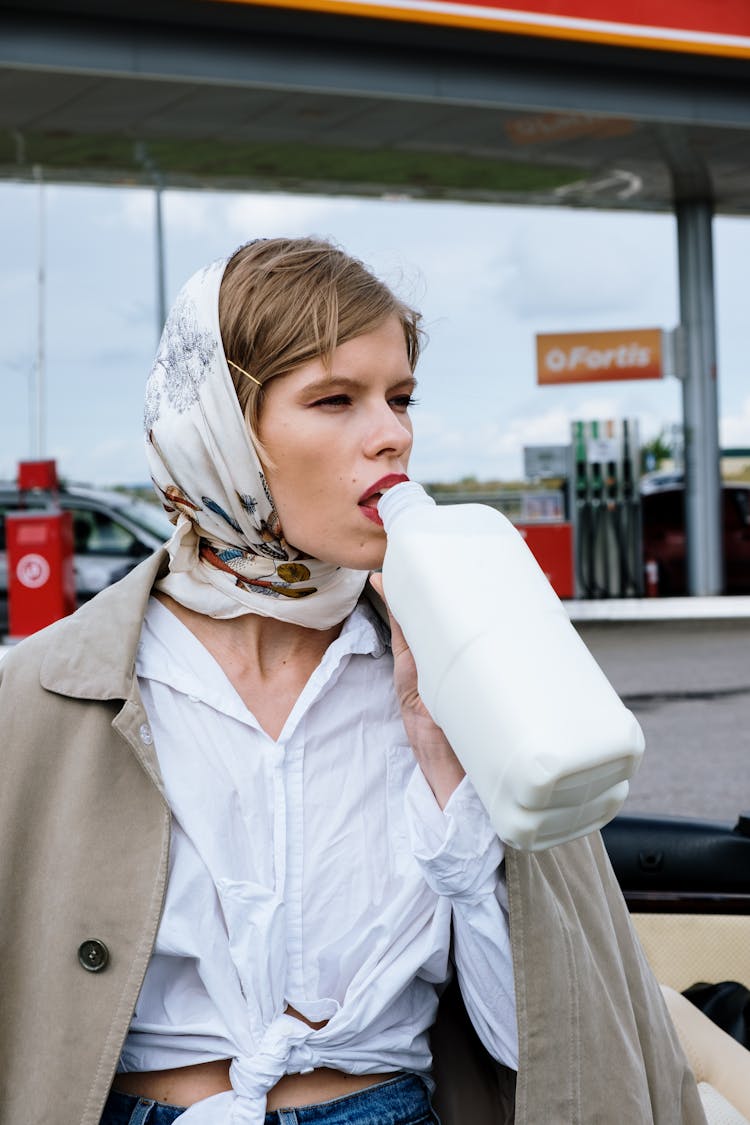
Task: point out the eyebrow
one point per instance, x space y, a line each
323 386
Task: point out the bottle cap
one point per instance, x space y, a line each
401 498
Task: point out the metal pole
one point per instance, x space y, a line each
161 291
699 398
38 436
143 156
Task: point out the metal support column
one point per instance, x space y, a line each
143 156
699 398
39 412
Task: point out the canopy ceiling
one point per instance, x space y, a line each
207 94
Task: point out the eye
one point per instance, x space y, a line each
403 402
333 401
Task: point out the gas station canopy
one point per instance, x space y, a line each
417 97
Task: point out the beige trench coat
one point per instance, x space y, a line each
84 849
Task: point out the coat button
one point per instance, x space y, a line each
93 955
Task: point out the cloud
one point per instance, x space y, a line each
134 208
186 212
585 265
13 280
734 429
731 252
490 449
108 462
447 449
269 216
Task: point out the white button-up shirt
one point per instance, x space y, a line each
315 871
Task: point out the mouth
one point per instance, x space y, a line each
368 501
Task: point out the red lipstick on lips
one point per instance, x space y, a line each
368 501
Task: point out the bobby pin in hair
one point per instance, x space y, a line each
243 372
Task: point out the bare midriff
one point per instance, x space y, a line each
189 1084
185 1085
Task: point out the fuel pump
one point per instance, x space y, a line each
582 510
631 548
41 580
606 509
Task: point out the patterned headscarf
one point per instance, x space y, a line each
228 555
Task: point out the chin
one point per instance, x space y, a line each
368 557
363 563
373 558
356 550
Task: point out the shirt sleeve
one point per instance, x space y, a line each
461 858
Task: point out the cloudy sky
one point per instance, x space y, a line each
487 278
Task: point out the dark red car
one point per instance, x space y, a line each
663 512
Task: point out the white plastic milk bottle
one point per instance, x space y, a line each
537 726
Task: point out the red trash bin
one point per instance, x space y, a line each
41 581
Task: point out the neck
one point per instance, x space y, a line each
268 662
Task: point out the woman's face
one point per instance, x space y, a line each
334 440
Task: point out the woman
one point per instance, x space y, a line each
266 854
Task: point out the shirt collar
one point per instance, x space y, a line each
363 631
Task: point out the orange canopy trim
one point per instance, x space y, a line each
713 27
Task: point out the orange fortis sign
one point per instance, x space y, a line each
705 27
594 357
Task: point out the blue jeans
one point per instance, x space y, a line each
399 1101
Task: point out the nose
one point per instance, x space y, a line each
389 434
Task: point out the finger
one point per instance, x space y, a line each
376 581
398 641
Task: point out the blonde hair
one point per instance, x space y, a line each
284 301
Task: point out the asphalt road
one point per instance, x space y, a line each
688 683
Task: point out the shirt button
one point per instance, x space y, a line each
93 955
146 736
